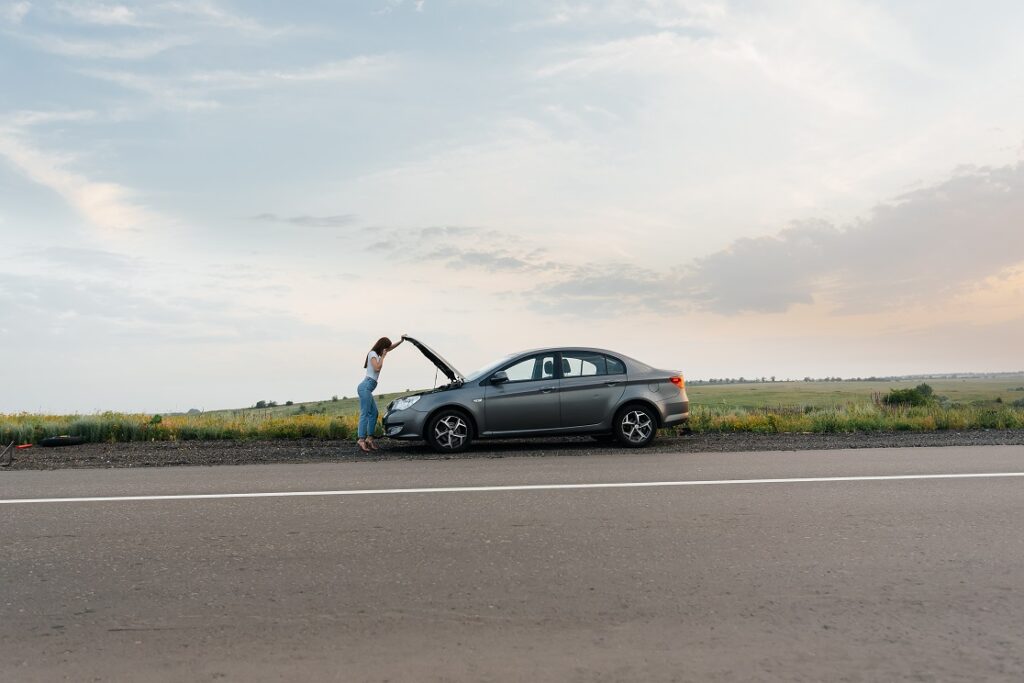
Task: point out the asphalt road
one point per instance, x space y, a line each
849 580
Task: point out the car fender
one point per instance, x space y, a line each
633 400
473 419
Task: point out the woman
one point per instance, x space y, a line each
367 406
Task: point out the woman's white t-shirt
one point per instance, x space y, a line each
370 372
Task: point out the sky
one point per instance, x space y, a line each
207 203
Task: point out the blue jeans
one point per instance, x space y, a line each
367 407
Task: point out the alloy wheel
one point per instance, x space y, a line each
637 426
451 432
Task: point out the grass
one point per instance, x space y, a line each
854 417
113 427
770 407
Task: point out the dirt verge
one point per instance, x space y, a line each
168 453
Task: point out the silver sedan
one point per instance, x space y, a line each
542 392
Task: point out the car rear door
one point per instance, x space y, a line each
528 401
589 389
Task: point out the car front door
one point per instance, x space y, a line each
590 387
527 401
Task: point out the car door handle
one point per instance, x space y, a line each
547 390
611 384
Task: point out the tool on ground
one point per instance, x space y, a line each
10 458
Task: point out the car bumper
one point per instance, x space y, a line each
675 413
404 424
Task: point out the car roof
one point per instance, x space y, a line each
638 365
553 349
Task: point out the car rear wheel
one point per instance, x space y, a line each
449 432
635 426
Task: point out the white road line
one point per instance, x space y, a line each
518 487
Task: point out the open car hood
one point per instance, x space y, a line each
442 365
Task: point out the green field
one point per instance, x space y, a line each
345 405
826 394
766 407
753 395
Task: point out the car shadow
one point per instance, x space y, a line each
503 447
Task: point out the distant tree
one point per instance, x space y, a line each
193 411
289 403
924 389
334 398
271 404
773 378
261 404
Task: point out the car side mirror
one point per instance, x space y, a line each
499 377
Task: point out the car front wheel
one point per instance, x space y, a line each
635 426
449 432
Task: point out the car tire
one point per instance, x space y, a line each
635 426
449 431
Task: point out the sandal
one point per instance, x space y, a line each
362 446
372 444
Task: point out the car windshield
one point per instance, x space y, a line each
487 369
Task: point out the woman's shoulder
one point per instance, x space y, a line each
373 354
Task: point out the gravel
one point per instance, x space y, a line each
167 453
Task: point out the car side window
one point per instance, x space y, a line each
579 364
521 371
615 366
532 368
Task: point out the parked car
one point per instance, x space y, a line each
543 392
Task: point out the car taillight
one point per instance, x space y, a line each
678 381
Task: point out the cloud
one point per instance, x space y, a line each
15 12
923 248
176 15
362 66
144 30
654 13
101 14
33 118
335 221
161 90
483 258
826 54
62 310
213 15
128 50
464 248
673 59
86 260
198 90
108 206
389 6
601 290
